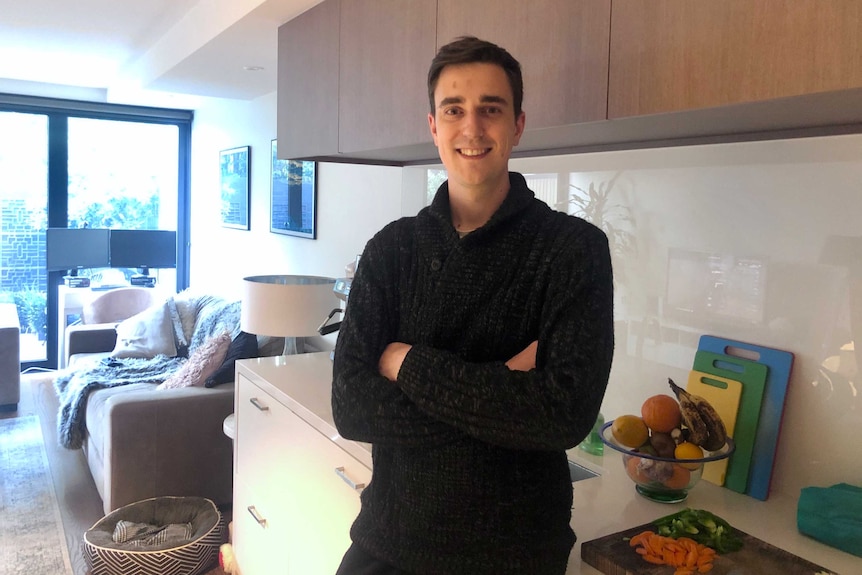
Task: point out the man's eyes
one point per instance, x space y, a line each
484 110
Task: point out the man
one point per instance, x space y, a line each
474 351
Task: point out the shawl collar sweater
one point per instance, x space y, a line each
470 473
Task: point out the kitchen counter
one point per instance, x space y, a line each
602 505
609 503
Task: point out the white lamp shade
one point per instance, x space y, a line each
286 305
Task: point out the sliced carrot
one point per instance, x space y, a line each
640 537
685 554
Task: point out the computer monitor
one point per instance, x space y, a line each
76 248
143 249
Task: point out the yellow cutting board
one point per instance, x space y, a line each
723 394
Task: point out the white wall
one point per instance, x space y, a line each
353 203
776 201
778 206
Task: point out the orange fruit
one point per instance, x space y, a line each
680 478
661 413
634 471
630 430
686 450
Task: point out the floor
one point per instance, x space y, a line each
78 499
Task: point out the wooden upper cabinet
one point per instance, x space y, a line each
562 46
672 55
307 117
386 48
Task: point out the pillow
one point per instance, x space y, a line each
243 346
215 317
146 334
179 336
203 362
189 303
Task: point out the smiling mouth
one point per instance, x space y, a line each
473 152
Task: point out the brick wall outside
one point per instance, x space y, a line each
22 249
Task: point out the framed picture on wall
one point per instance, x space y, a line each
235 174
293 190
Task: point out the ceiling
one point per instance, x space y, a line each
193 47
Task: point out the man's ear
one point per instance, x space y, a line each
432 125
520 122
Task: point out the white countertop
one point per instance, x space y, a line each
602 505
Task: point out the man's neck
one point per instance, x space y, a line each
471 209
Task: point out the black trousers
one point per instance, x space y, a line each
357 562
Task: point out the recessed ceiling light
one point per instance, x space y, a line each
252 68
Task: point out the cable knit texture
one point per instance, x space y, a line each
470 473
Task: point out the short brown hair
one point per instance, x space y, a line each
470 50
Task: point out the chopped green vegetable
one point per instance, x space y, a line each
702 526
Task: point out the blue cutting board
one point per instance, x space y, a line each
779 365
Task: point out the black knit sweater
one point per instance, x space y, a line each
470 472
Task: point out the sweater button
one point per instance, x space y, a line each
436 264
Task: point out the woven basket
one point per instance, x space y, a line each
200 554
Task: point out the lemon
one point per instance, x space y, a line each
686 450
630 430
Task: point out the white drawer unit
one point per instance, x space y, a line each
296 482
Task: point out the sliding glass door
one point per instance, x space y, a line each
23 217
123 175
81 164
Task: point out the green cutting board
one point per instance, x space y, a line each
753 378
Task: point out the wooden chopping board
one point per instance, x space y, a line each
612 555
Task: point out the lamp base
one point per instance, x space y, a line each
293 346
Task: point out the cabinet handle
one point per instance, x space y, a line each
339 471
257 517
256 402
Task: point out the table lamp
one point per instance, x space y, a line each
288 306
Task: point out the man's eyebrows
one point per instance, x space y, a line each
485 99
451 100
494 100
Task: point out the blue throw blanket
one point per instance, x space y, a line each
74 386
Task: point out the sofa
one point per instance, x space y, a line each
10 359
146 398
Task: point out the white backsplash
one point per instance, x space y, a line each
759 242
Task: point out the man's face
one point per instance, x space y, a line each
474 125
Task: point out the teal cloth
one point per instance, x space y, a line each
832 515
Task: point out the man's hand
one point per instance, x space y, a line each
390 361
525 360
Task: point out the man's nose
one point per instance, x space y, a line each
474 125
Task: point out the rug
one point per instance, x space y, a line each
31 532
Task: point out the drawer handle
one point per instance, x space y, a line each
257 517
339 471
256 402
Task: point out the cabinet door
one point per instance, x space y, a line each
308 83
260 437
327 482
386 48
296 493
670 55
261 525
259 534
562 46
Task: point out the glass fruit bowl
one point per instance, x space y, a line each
663 479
